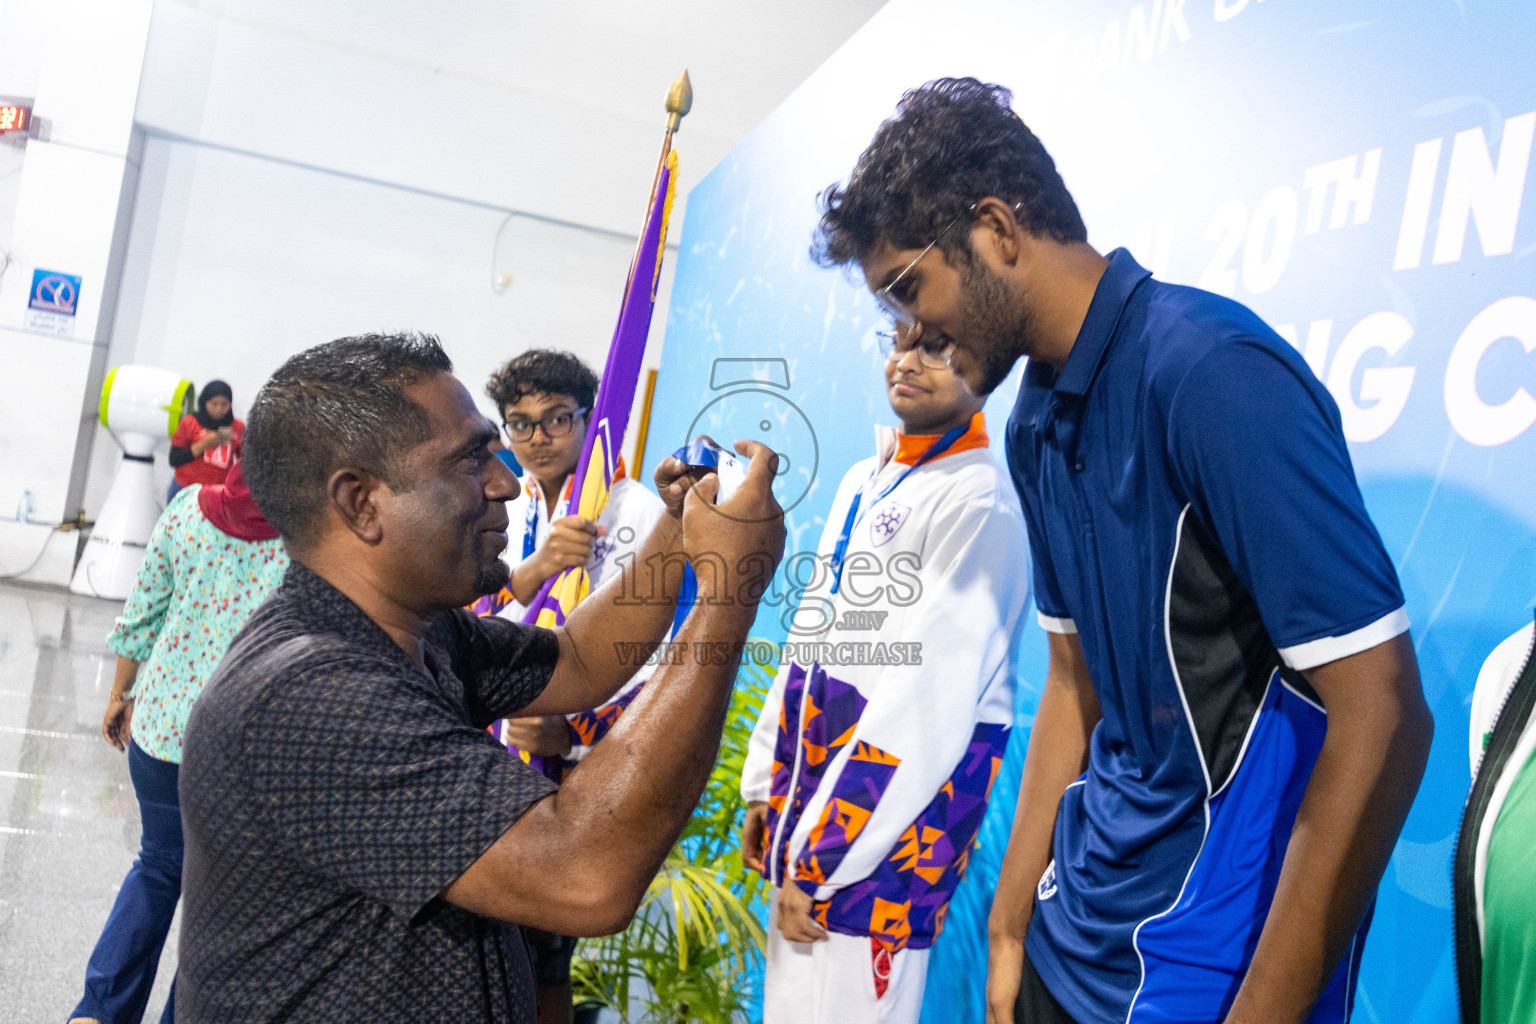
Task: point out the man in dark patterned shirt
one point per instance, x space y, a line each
357 844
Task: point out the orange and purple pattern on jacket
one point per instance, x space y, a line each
859 788
832 712
902 904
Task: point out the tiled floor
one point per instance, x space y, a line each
69 825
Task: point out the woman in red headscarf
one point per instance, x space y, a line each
207 442
212 560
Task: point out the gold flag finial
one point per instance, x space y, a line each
679 101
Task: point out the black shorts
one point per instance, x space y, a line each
1035 1004
550 954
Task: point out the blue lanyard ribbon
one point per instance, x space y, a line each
852 519
531 520
531 526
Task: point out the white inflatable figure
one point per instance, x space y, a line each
140 405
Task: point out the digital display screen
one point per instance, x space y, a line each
14 119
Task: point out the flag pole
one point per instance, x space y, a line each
679 102
621 372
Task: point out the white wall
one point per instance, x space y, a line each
13 150
22 24
237 262
21 58
334 107
67 213
314 170
552 108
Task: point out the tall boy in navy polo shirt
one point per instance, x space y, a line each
1197 838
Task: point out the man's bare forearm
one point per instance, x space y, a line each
1362 786
630 610
640 784
1058 751
579 861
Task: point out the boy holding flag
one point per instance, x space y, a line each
867 783
545 398
585 476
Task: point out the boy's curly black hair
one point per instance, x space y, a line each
952 143
542 370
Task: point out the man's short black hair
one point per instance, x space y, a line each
542 371
952 143
341 404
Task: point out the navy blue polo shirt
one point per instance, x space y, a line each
1195 520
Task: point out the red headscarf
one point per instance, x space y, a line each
230 507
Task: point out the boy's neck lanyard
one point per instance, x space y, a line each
531 520
853 518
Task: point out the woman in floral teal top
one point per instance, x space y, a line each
212 560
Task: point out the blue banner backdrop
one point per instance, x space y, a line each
1355 170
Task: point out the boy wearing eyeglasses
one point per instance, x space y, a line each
870 766
544 397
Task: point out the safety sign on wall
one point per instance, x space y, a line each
52 303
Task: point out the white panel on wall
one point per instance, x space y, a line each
744 56
179 56
236 263
40 390
386 120
66 208
21 58
89 79
13 150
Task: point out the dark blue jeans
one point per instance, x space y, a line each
121 970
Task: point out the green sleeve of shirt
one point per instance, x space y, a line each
133 635
196 587
1509 907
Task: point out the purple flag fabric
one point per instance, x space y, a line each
615 395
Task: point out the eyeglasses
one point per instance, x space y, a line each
886 297
895 307
891 346
555 425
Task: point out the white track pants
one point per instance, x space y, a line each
833 982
